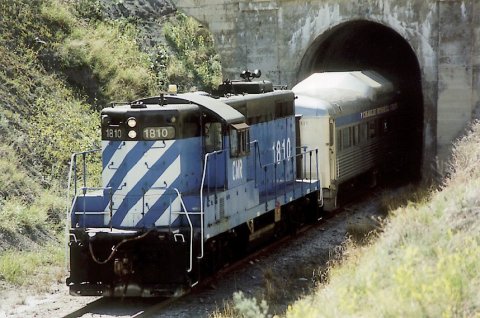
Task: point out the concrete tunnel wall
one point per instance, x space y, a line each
288 38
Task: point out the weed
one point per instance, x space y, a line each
228 310
408 195
249 307
272 289
18 267
242 307
362 231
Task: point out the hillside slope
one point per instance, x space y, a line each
426 263
61 61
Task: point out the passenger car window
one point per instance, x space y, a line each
356 135
363 132
346 137
339 140
372 131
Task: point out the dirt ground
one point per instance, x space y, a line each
25 302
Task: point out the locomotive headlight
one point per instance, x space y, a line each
132 134
131 122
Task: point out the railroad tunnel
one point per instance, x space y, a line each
366 45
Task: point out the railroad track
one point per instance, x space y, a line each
89 308
132 307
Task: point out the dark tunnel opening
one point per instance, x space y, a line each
365 45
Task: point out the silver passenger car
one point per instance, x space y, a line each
352 118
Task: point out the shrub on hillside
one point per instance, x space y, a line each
195 62
14 181
105 62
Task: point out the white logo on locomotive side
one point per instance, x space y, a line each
237 173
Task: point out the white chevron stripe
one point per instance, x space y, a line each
135 173
171 173
117 159
139 170
165 218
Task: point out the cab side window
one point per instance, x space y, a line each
213 137
239 140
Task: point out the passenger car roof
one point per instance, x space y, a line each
337 93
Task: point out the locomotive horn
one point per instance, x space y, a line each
247 75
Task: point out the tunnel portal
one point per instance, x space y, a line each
366 45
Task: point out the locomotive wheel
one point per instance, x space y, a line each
312 210
294 218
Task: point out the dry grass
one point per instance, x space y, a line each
242 306
363 230
273 286
36 269
409 195
228 310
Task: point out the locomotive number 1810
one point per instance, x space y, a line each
158 133
282 149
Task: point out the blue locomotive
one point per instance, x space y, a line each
187 181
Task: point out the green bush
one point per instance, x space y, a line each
194 62
60 126
90 10
58 16
249 307
105 56
45 213
18 216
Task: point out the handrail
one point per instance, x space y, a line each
293 156
303 156
202 226
85 190
165 188
319 179
255 147
73 167
191 228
